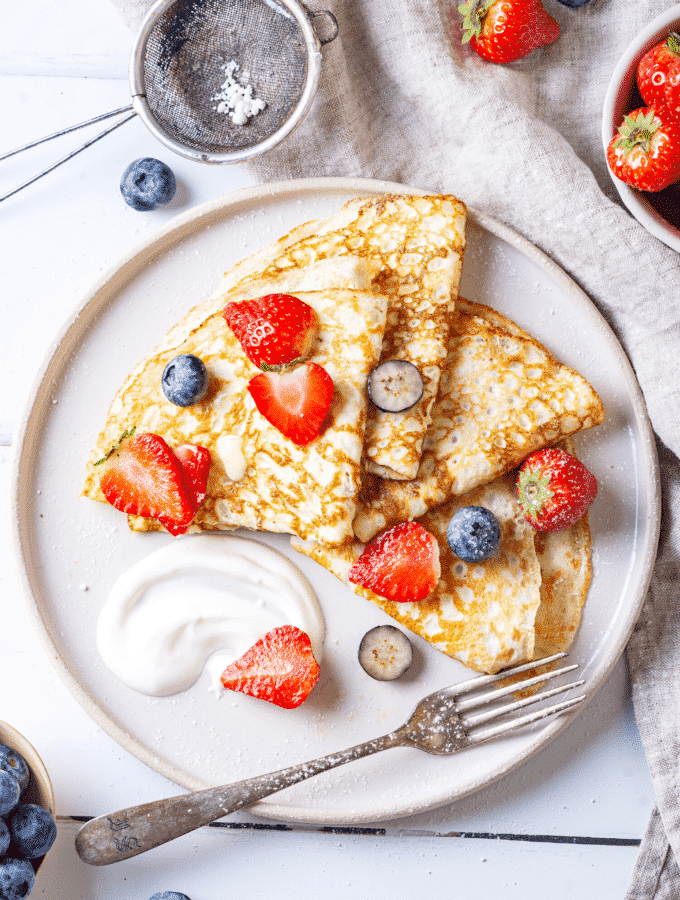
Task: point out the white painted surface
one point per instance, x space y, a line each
62 63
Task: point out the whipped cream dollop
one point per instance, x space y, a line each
201 602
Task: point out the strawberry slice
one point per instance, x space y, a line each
195 462
142 476
275 330
279 668
295 402
554 489
400 564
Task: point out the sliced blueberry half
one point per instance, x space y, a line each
385 653
185 380
474 534
395 385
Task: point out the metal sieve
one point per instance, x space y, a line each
177 69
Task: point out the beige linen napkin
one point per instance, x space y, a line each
401 99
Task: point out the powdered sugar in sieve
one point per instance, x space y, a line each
177 71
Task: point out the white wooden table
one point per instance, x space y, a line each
566 824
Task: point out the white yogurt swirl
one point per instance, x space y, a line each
199 602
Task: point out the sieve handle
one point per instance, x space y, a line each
64 159
335 28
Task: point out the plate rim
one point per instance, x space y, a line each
87 308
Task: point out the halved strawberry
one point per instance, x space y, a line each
275 330
502 31
554 489
279 668
400 564
195 462
142 476
295 402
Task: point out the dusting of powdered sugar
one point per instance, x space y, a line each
235 98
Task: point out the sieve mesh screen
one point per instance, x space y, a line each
183 69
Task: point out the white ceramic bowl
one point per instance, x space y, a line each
39 788
620 99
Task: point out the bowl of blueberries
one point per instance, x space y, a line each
27 825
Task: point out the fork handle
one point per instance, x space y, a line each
129 832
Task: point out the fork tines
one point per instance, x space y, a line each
497 712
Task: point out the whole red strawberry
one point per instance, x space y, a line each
658 76
554 489
646 151
502 31
401 564
296 402
275 330
279 668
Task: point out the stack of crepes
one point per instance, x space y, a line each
383 277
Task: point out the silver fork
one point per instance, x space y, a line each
440 724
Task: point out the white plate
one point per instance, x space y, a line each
66 543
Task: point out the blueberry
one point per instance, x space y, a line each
573 4
16 878
9 792
33 830
474 534
4 837
169 895
15 764
185 380
147 184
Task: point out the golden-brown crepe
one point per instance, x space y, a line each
414 247
260 479
565 560
524 603
502 396
481 614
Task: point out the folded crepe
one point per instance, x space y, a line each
524 603
502 395
566 567
481 614
413 246
260 479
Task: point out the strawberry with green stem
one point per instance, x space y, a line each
554 489
646 151
502 31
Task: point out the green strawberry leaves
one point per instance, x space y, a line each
638 131
673 43
534 492
126 434
473 12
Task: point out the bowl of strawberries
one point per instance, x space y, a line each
641 127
